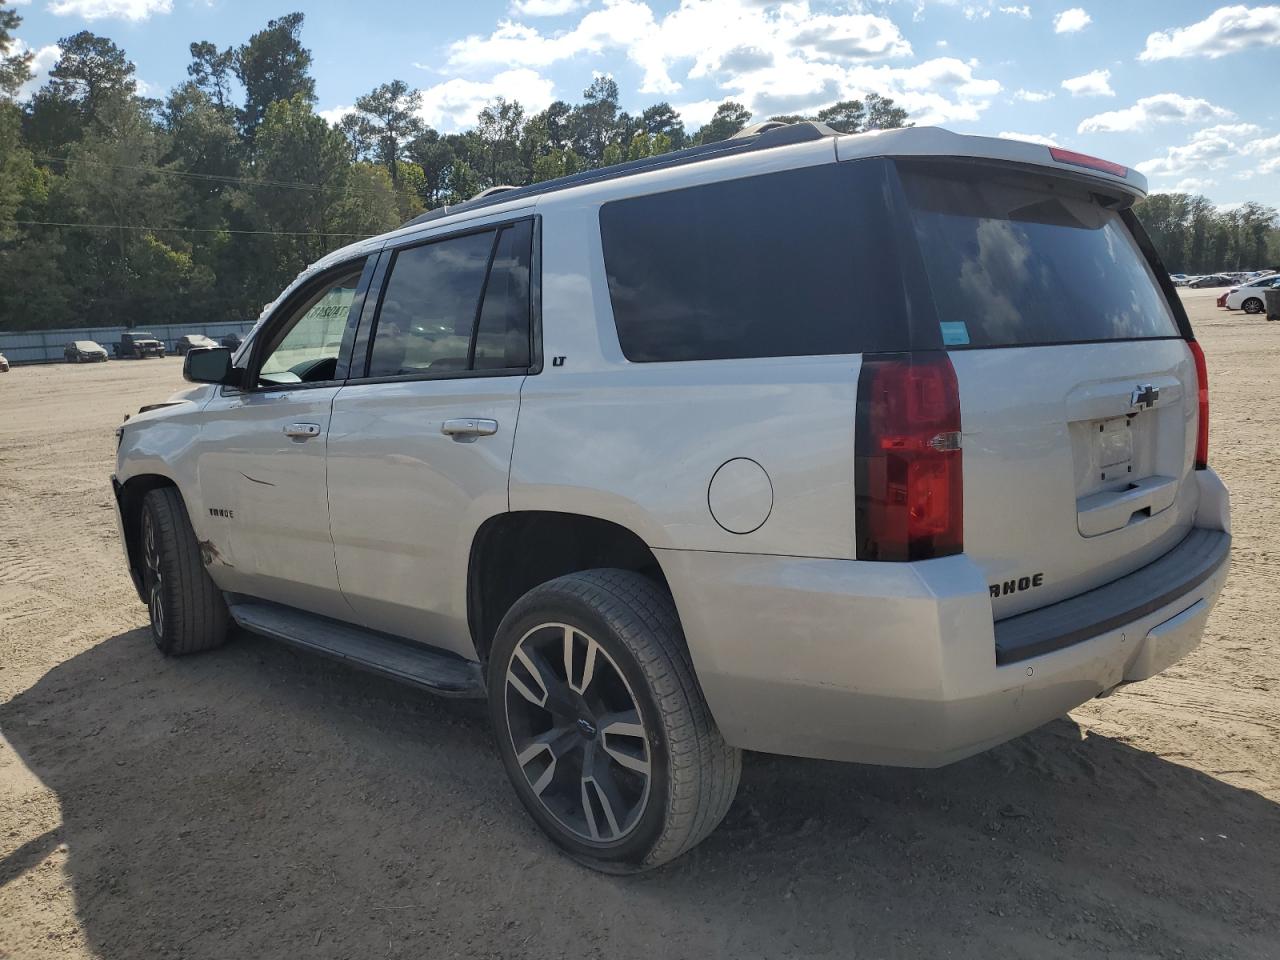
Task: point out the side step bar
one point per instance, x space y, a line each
435 670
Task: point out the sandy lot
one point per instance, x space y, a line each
258 803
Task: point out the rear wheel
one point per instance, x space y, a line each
601 723
1252 305
188 614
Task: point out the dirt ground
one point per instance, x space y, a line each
260 803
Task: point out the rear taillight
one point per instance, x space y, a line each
1084 160
909 469
1202 395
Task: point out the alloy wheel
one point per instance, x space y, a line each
1252 305
577 733
154 578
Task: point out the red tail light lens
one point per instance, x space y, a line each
909 469
1084 160
1202 387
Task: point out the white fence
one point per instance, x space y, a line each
44 346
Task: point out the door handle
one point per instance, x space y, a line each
302 431
466 429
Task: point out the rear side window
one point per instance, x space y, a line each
798 263
456 305
1016 259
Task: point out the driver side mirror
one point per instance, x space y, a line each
211 365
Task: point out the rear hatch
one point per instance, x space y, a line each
1077 389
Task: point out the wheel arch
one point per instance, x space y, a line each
130 495
513 552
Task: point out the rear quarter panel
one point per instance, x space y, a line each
638 443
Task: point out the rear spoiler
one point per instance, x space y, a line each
936 142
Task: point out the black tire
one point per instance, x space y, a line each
692 773
1252 305
188 614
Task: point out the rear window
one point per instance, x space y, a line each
797 263
1018 259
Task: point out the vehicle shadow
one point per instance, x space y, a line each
258 802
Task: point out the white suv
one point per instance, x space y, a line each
881 448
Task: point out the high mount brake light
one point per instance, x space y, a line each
909 479
1084 160
1202 393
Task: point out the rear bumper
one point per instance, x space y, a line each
897 663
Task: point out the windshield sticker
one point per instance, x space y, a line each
955 333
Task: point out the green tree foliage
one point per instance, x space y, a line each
273 66
730 117
384 123
201 207
857 116
15 68
1193 236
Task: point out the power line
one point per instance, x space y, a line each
214 177
126 226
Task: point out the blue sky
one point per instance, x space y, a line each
1188 92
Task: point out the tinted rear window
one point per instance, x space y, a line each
1017 259
798 263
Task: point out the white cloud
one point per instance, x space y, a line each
772 57
1226 30
546 8
1269 152
1033 96
1208 149
334 115
1023 11
454 104
1050 141
1096 83
1162 108
707 34
1192 185
135 10
42 61
1071 21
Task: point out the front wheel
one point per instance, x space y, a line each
188 614
601 724
1252 305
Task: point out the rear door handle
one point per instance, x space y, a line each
302 431
466 429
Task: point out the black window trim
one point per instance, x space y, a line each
282 313
369 317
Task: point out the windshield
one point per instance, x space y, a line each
1018 259
86 345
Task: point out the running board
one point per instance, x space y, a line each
435 670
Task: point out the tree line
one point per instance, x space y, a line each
1193 236
117 208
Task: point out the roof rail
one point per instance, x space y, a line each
762 136
499 188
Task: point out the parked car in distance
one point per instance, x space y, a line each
4 363
232 341
1212 280
193 341
664 495
1251 297
136 345
84 351
1180 279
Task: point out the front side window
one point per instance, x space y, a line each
305 348
456 305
